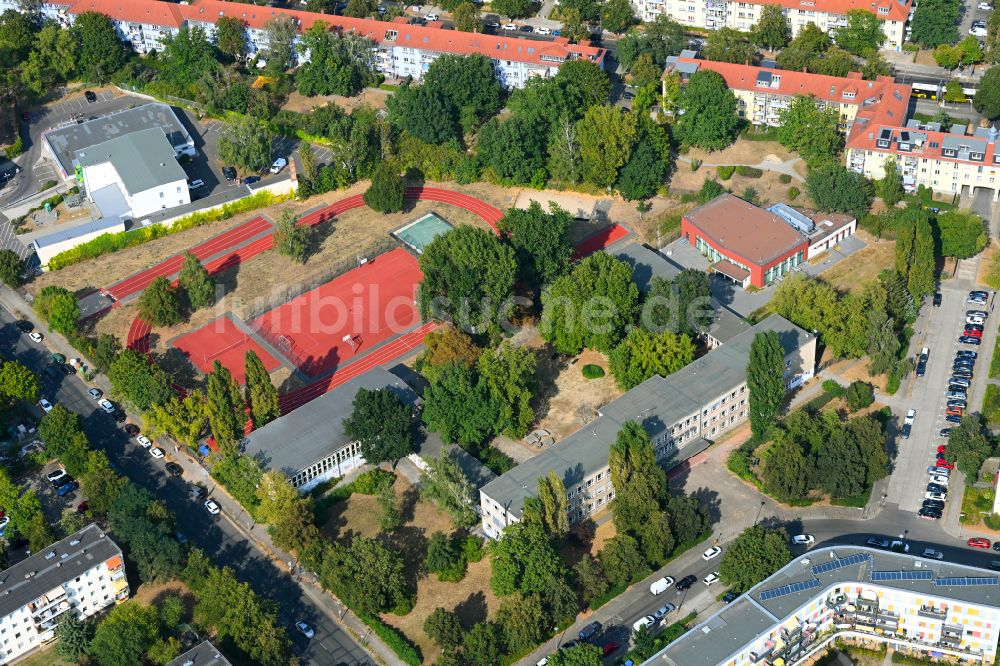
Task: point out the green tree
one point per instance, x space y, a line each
470 83
809 43
459 406
10 268
100 53
552 497
992 41
442 555
246 143
852 459
183 419
390 511
508 373
369 576
525 562
137 380
834 188
523 623
339 64
862 34
678 305
290 238
382 424
196 282
59 308
947 56
467 269
190 55
606 138
483 642
445 484
100 483
512 8
621 560
446 344
226 416
787 471
281 33
617 16
591 306
106 351
425 113
231 36
17 382
771 30
810 131
962 234
590 579
259 393
466 18
52 60
74 637
512 149
969 446
361 8
729 45
573 27
859 395
709 119
935 22
444 628
581 654
124 636
385 194
644 173
642 355
753 556
159 304
564 152
890 186
540 241
766 382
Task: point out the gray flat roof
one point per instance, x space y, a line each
65 142
202 654
107 224
73 556
739 624
657 404
646 264
316 429
143 159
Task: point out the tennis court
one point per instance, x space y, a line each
346 317
222 340
419 233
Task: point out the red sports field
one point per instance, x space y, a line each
222 341
347 316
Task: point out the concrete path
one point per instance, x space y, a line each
787 167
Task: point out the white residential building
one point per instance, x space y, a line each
828 15
919 606
84 573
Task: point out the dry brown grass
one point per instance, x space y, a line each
769 188
471 597
373 97
148 593
852 273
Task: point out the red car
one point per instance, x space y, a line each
941 462
610 648
973 333
978 542
953 411
942 448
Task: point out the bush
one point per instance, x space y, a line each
992 521
832 387
749 172
108 243
47 185
859 395
793 193
784 179
591 371
670 226
695 165
396 641
14 149
372 481
725 172
385 194
472 549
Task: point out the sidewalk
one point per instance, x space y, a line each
231 510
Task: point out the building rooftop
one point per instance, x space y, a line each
143 159
646 264
64 560
657 403
202 654
65 142
753 233
315 430
770 603
106 224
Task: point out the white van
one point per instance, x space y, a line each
660 585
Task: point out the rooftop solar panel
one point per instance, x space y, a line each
789 589
840 563
902 575
962 581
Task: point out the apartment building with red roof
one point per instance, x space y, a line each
399 49
828 15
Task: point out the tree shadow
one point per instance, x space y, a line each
548 365
318 235
408 502
473 610
710 504
179 368
411 543
226 276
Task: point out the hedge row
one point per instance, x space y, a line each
396 641
749 172
725 172
108 243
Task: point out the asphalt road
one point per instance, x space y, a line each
331 646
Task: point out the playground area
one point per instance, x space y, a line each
224 341
347 316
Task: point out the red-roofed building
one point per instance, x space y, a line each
763 93
754 246
399 49
828 15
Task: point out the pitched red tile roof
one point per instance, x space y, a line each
135 11
895 10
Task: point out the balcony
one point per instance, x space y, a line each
51 612
932 612
47 600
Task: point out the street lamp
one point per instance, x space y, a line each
761 508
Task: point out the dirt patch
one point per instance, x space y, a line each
986 262
860 268
742 152
859 372
373 97
150 593
768 187
359 515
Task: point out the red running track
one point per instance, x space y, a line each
234 236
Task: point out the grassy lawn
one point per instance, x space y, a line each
995 361
854 272
991 405
975 503
44 657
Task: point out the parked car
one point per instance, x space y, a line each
156 452
278 165
642 623
36 337
212 507
24 326
106 405
969 340
45 405
711 553
711 578
934 469
509 26
250 180
940 480
196 184
954 411
937 300
977 313
67 488
685 583
590 631
929 514
985 6
305 629
90 96
936 496
953 419
661 585
55 475
527 28
977 321
936 488
432 17
978 542
941 462
143 441
878 542
543 31
803 539
229 173
174 469
662 611
729 597
132 430
933 504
